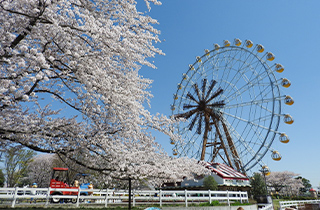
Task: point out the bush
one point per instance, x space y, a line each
209 183
298 198
213 203
240 204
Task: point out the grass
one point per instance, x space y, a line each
217 203
276 204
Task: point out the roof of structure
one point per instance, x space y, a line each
225 171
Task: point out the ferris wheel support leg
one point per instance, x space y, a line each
232 147
205 138
222 144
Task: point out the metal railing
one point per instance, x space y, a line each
297 204
115 197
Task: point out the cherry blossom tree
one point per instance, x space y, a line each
284 182
40 169
70 85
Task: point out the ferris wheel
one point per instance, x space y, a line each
229 103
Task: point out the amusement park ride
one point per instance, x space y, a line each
229 103
60 180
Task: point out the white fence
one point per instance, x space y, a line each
106 197
297 204
265 206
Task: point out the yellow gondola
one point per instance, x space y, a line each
276 156
226 43
288 119
216 46
284 138
285 83
179 86
279 68
172 141
288 100
265 170
237 42
260 48
198 59
175 96
207 52
184 76
191 67
249 43
175 152
270 56
173 107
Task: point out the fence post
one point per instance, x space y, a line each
280 205
133 199
78 197
186 197
240 194
247 198
48 197
106 199
228 198
14 197
160 197
209 196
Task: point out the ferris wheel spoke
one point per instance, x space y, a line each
188 146
225 62
259 76
256 133
243 89
254 102
238 56
247 86
237 136
244 66
252 122
212 84
214 64
256 156
201 71
249 65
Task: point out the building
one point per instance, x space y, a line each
226 177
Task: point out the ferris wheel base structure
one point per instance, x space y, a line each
229 106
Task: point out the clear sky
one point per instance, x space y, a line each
288 28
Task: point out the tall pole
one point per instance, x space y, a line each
265 182
265 171
129 193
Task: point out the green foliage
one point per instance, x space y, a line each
213 203
217 203
306 183
209 183
2 178
258 185
298 198
237 203
16 162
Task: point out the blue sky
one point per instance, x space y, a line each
289 29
